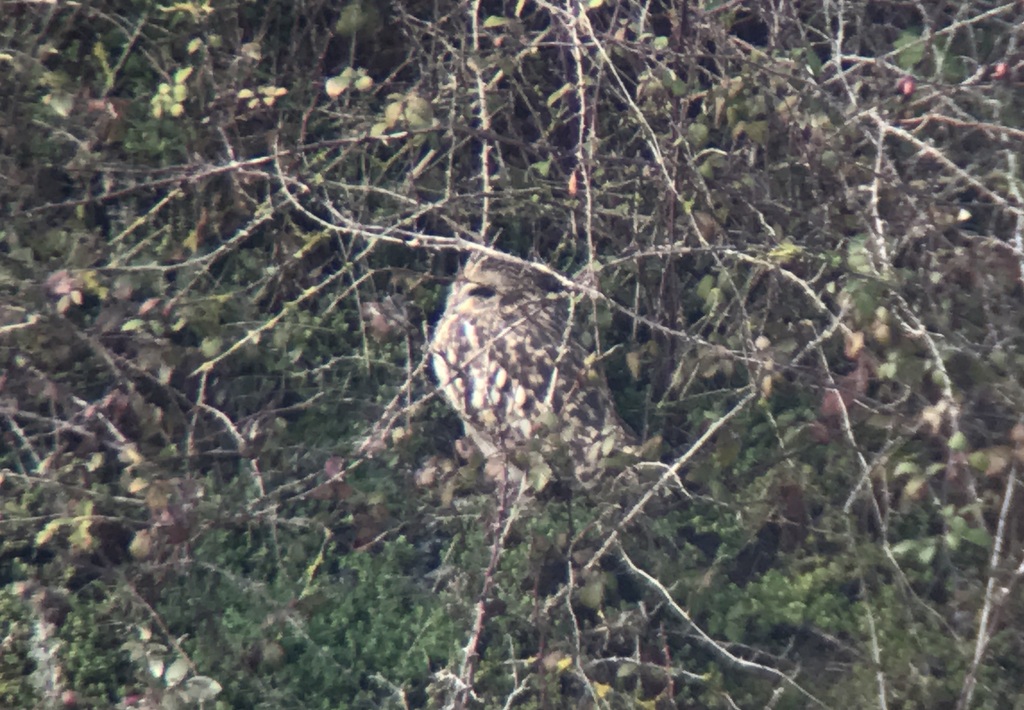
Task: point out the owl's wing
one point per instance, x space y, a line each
527 383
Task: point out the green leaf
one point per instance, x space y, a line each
906 468
392 112
202 688
176 672
904 547
156 666
698 133
927 553
887 370
61 102
540 475
704 287
418 112
81 535
978 460
958 442
785 252
910 49
47 533
592 594
354 18
757 131
210 346
978 536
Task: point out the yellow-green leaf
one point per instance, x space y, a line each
958 442
48 531
633 363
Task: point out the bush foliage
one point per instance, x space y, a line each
794 235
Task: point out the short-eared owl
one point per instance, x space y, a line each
505 354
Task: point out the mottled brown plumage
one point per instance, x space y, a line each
507 360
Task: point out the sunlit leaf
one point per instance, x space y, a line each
200 688
48 531
156 666
176 672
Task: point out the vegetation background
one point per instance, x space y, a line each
794 230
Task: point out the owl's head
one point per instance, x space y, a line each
486 278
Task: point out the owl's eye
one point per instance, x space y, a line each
482 292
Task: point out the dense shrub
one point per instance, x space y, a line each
794 232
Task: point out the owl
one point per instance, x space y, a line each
507 360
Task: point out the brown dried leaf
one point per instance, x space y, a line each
148 305
61 283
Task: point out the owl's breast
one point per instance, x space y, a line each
498 368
